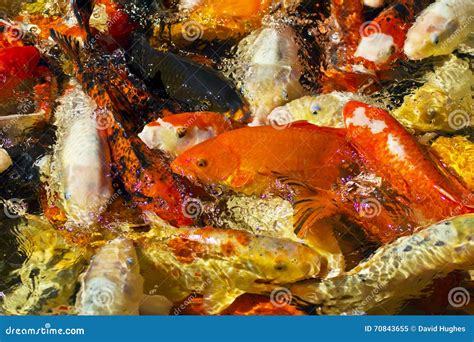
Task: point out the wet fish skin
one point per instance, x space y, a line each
145 173
112 284
246 159
396 272
222 263
391 152
16 65
440 28
184 79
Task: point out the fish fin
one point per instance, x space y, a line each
241 178
311 204
311 207
71 46
305 124
463 196
82 11
160 228
218 296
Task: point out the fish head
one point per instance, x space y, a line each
209 162
430 36
284 261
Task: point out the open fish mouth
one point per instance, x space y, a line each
254 157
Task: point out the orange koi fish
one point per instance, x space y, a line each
247 159
145 174
16 65
391 152
309 159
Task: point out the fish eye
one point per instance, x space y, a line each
201 163
280 267
435 39
181 132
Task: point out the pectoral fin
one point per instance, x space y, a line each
311 207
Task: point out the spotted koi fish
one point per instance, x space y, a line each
144 173
391 152
221 264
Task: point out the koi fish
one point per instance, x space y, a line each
457 153
112 284
175 134
16 65
440 28
309 159
221 264
383 42
268 69
310 153
47 277
443 102
186 81
320 110
395 272
391 152
80 169
145 174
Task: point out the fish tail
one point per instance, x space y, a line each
71 46
83 12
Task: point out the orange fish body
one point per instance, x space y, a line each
246 159
16 65
390 151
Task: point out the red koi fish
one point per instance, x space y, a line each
391 152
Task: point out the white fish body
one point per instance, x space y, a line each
80 164
271 69
112 284
165 137
440 28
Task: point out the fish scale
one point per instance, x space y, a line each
396 272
